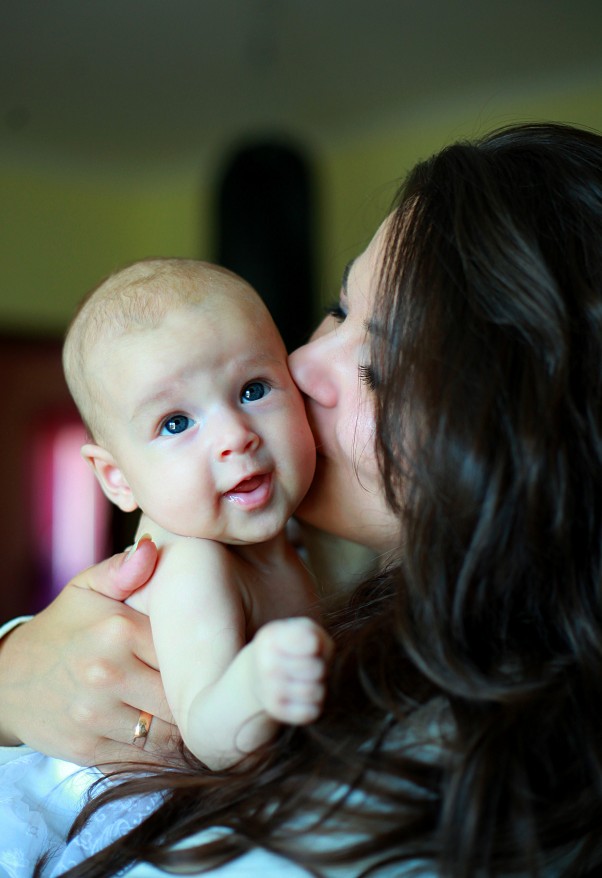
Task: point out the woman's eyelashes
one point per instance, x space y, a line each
336 310
175 424
367 376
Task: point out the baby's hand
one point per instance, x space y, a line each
291 660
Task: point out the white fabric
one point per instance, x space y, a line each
256 864
8 753
39 799
12 623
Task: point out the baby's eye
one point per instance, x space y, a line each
336 310
175 424
254 390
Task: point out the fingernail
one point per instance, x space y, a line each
133 548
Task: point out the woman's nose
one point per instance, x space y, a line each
234 436
313 371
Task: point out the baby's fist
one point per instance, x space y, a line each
292 657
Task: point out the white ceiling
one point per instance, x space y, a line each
155 80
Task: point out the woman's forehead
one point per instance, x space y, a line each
361 274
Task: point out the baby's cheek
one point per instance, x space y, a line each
301 468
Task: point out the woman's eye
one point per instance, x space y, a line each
254 390
176 424
335 310
367 376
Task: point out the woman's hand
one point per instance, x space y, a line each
74 679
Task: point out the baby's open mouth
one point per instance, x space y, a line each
247 485
251 493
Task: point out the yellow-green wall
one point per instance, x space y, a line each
61 233
360 179
63 230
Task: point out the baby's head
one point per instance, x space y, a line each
181 377
132 299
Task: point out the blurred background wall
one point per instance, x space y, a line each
120 121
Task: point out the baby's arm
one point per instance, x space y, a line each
277 677
227 696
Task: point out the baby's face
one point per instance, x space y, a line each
206 423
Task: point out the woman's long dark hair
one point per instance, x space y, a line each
464 721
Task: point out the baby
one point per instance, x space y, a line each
181 378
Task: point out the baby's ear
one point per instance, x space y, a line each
112 481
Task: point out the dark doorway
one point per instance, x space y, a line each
265 222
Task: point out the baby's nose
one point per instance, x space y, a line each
235 437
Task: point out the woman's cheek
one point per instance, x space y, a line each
365 443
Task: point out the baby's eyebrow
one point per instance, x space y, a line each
161 393
263 358
153 400
164 395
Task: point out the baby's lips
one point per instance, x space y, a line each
247 485
251 493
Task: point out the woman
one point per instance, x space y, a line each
455 393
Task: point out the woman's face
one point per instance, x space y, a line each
333 372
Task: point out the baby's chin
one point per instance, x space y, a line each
247 536
256 532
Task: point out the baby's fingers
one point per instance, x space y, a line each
297 702
293 656
302 669
300 637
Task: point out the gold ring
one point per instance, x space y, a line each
142 727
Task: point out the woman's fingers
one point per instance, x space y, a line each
74 678
159 746
119 576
